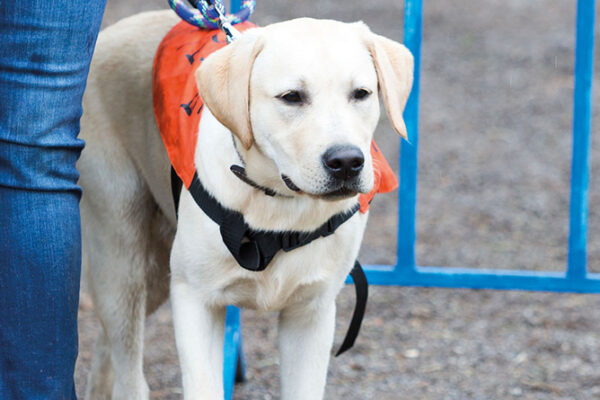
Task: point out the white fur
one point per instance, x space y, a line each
129 225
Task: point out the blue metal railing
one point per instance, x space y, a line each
406 272
575 278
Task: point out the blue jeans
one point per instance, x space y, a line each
45 51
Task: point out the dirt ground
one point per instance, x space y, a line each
494 168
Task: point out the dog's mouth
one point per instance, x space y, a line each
339 194
288 182
343 192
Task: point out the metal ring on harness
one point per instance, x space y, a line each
206 13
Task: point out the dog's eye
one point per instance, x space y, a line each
360 94
292 97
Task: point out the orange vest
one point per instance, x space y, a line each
178 106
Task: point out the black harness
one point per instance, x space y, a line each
253 250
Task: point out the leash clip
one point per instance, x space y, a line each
225 25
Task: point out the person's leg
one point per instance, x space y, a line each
45 50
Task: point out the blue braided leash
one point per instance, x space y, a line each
205 15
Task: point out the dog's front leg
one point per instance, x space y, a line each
199 331
305 340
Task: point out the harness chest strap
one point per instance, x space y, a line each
254 250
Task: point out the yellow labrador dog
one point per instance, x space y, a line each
287 94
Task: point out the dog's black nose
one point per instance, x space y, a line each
343 161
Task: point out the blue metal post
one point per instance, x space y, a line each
407 197
232 348
580 164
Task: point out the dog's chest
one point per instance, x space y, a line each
295 276
267 293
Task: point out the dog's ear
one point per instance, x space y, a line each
224 83
394 66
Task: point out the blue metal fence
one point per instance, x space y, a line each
575 278
406 272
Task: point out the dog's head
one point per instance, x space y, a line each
304 93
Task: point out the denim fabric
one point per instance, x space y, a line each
45 50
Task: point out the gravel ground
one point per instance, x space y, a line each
494 170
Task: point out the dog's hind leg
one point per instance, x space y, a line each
118 235
119 293
101 378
